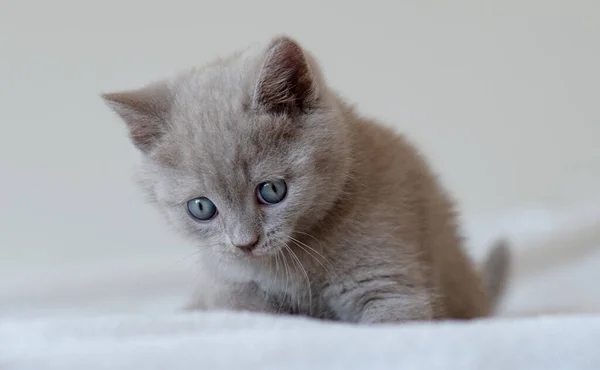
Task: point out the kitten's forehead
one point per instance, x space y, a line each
217 89
212 122
209 103
246 143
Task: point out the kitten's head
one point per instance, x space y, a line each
241 153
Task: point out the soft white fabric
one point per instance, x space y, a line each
248 342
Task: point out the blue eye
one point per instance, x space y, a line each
271 192
201 208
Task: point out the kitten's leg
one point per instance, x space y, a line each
396 308
380 301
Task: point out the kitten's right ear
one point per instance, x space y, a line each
286 83
144 111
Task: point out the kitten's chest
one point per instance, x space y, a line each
295 292
299 302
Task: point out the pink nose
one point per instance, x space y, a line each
249 246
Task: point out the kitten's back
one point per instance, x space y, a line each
425 216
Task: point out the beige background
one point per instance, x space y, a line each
502 96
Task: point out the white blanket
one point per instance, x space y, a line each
248 342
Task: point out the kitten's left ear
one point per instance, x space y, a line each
286 83
144 111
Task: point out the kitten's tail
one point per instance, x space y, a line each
496 269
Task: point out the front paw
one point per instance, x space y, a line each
396 310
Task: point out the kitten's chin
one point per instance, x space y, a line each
232 254
265 252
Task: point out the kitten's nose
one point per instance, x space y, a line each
248 246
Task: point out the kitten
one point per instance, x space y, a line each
298 204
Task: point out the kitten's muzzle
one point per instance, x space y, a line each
249 246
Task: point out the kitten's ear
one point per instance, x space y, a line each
144 111
285 83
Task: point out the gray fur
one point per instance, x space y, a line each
365 234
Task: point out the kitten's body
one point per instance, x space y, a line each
366 233
393 225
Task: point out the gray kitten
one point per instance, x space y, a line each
298 204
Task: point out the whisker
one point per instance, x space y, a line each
307 280
315 258
198 250
310 236
186 257
271 278
277 274
287 272
355 179
297 295
329 259
314 250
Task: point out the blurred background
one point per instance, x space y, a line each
502 96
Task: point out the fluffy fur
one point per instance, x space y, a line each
365 234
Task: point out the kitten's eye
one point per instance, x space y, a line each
271 192
201 208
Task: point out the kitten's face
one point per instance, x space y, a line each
249 151
262 176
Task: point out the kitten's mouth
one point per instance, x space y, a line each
268 246
265 249
257 252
